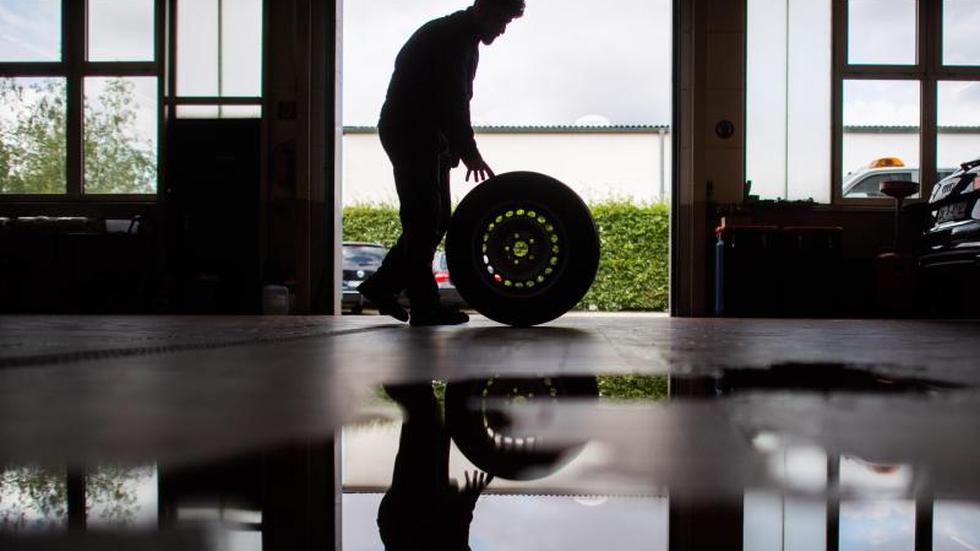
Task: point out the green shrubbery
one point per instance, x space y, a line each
633 269
633 387
372 224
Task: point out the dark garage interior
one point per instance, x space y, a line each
175 371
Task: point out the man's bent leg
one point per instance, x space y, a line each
387 279
417 181
380 296
384 286
442 215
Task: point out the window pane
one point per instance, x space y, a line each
30 30
120 30
229 66
881 131
32 135
881 32
219 111
956 525
883 520
960 22
788 98
959 124
32 499
197 48
121 135
121 498
241 50
877 525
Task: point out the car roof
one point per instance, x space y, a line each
852 179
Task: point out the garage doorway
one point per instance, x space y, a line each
581 93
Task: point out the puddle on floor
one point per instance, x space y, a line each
414 471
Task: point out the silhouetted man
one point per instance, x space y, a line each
425 510
425 130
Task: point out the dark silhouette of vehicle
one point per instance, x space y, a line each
360 261
363 259
949 255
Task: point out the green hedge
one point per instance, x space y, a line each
633 268
372 224
612 388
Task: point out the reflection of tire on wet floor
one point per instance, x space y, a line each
478 423
522 248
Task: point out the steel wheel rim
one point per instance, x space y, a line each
522 250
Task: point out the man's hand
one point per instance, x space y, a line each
478 169
476 483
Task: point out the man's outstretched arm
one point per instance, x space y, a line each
454 109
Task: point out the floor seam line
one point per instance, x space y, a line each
114 353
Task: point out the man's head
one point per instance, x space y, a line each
492 17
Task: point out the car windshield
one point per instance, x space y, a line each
363 255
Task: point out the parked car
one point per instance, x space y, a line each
360 260
949 255
864 182
448 294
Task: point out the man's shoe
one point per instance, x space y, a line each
387 304
440 316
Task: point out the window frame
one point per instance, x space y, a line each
928 71
74 67
170 100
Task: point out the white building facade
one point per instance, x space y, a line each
599 163
634 162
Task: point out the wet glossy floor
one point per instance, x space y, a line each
628 431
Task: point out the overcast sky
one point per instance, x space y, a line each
565 59
564 62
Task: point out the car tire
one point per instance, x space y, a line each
483 433
522 248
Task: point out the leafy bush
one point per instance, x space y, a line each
633 387
372 224
633 267
612 388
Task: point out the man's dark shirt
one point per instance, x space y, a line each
428 101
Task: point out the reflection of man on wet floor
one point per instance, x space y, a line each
425 130
424 510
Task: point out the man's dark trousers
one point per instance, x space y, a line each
422 182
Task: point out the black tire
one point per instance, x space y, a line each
522 248
483 433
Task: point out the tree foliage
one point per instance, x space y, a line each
32 136
117 159
33 139
33 496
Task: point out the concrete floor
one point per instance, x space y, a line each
181 391
129 385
